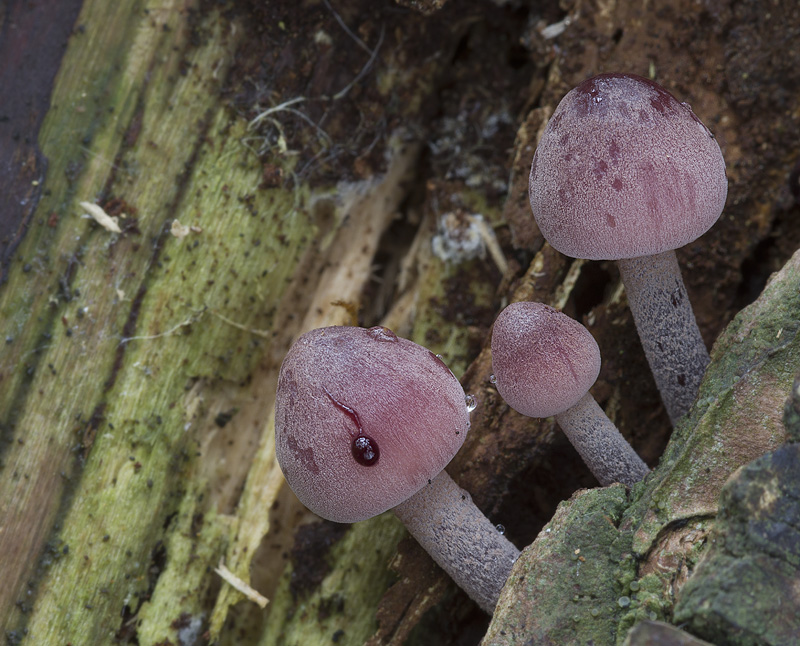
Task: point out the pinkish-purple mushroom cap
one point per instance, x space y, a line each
543 361
363 420
624 170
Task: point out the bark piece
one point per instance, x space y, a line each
746 587
657 633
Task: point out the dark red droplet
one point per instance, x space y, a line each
346 410
366 451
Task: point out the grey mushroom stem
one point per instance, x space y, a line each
667 328
598 441
447 524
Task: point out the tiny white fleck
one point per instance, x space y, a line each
179 230
102 218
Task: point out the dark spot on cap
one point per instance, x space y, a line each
600 168
614 151
303 456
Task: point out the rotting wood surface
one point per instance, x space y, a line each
137 369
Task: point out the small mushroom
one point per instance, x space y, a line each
544 364
626 172
366 421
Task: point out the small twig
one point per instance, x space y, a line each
195 317
341 93
283 106
101 217
323 137
247 590
342 24
490 240
262 333
306 118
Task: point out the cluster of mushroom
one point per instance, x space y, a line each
366 421
626 172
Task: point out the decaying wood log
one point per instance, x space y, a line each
277 166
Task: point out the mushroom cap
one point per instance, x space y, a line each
543 361
624 170
339 383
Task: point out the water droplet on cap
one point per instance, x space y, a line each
501 529
492 379
471 403
380 333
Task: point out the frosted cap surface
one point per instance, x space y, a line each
624 170
338 382
543 361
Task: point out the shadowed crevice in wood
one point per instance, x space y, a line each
32 41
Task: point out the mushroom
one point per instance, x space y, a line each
626 172
366 421
544 363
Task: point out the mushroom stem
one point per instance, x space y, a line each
667 328
447 524
598 441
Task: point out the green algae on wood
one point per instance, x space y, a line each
128 326
180 598
364 212
58 307
559 589
146 412
341 607
738 413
